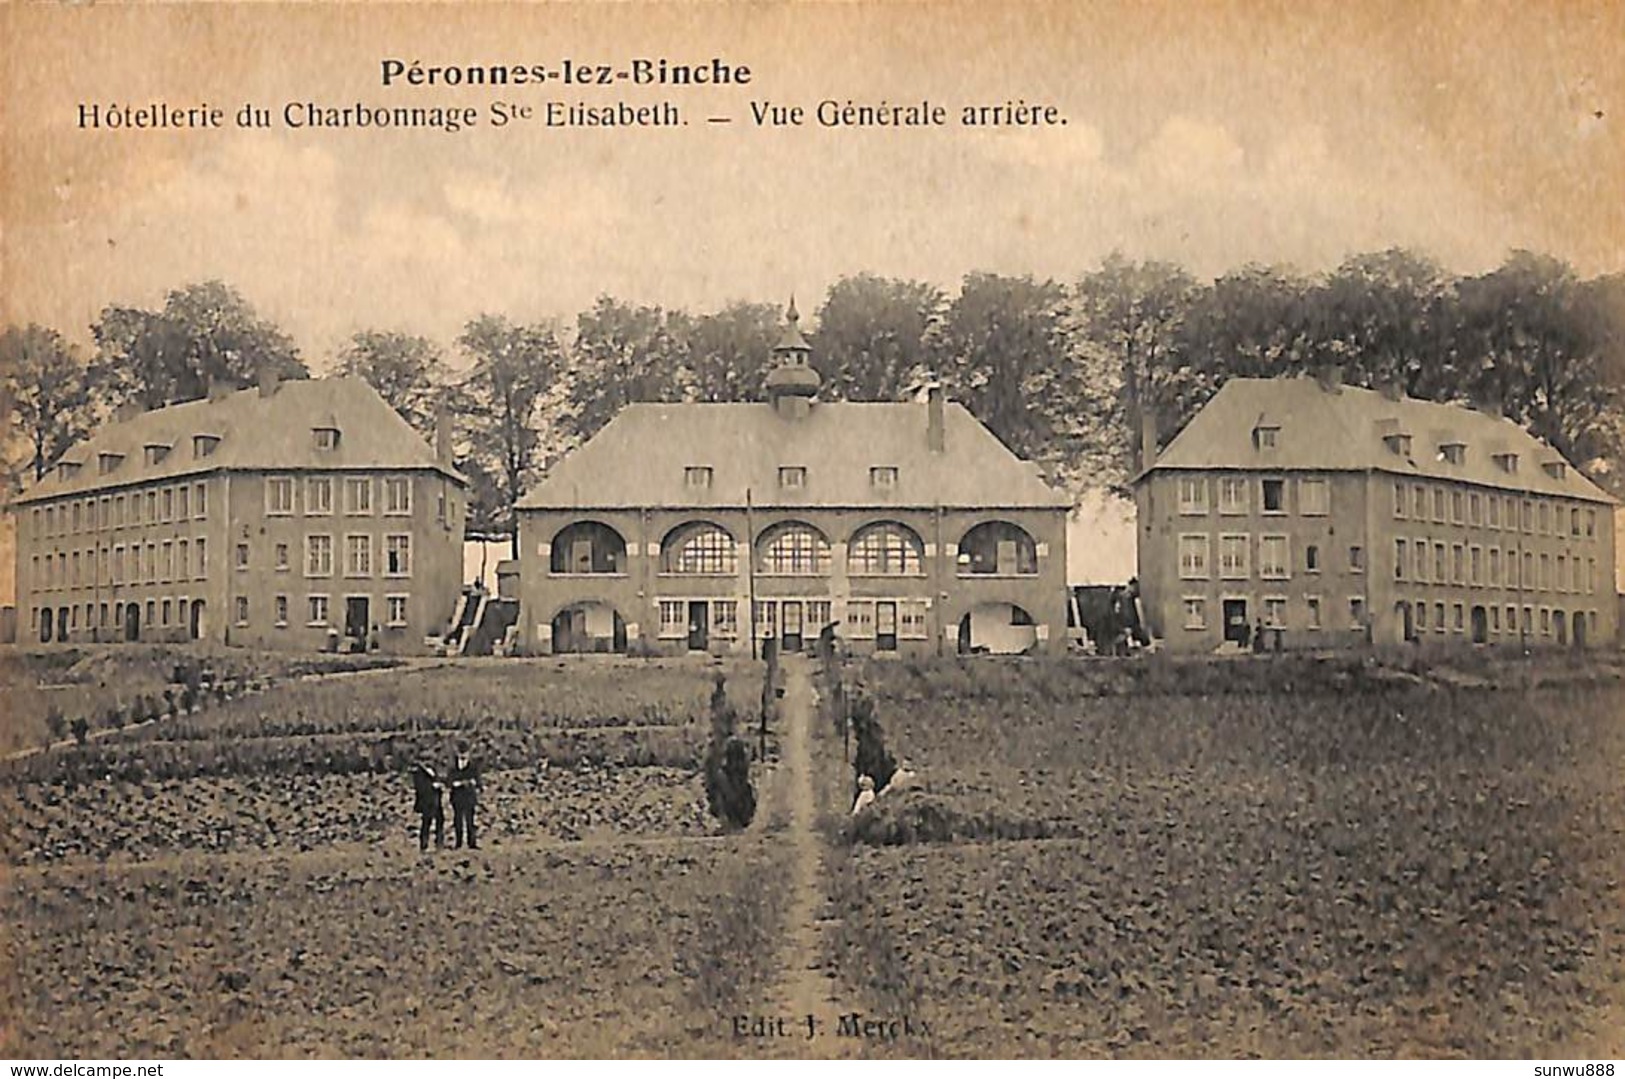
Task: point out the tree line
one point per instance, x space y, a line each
1062 372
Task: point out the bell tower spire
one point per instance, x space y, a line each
792 384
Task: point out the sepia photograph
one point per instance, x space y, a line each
812 531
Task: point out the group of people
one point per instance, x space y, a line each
901 779
428 787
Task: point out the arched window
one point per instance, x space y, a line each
997 547
885 549
700 548
793 549
588 547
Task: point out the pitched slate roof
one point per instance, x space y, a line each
1344 430
256 433
638 460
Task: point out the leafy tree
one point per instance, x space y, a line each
1253 322
1386 317
205 332
45 394
407 371
623 354
873 336
998 349
1129 316
725 355
515 370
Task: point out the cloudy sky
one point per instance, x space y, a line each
1210 133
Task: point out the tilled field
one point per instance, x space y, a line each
584 950
1379 873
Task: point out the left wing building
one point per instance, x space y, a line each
269 517
908 527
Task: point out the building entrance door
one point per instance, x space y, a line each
790 625
885 626
355 618
132 621
699 625
1235 620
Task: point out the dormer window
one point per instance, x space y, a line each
1454 453
1398 444
66 470
883 476
156 452
1266 437
697 477
327 438
1555 469
109 461
204 445
1507 462
793 477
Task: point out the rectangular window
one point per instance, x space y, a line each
1456 506
1357 612
860 619
1193 495
1475 510
1419 555
697 478
183 503
280 607
279 496
77 522
1274 564
395 610
1311 558
1195 612
1441 563
1399 500
1494 511
1458 564
911 619
398 555
1591 524
1475 565
118 511
1193 557
152 506
168 564
397 496
1419 507
1233 561
1439 498
202 557
1421 616
74 580
1356 559
242 556
725 617
1545 573
883 476
1562 580
1399 559
316 611
242 610
1574 522
1495 620
1495 566
152 563
1528 578
118 564
1545 518
1315 497
1528 516
358 556
164 612
281 556
1275 612
1312 609
1273 494
793 477
318 496
169 504
673 618
358 496
1438 618
200 500
318 556
1232 494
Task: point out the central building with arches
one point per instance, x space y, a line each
698 527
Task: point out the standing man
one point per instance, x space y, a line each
426 787
465 795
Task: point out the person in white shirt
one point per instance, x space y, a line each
866 795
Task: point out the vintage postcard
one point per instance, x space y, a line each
803 530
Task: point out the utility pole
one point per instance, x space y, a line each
750 572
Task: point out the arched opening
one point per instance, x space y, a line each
195 625
1000 629
1580 629
699 548
1481 625
132 621
45 617
885 549
63 615
1406 622
589 626
792 549
588 547
997 547
1560 627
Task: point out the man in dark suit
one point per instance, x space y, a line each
465 795
427 788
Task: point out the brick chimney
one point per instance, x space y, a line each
1148 436
268 379
936 427
443 451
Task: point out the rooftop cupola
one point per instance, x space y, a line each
792 384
